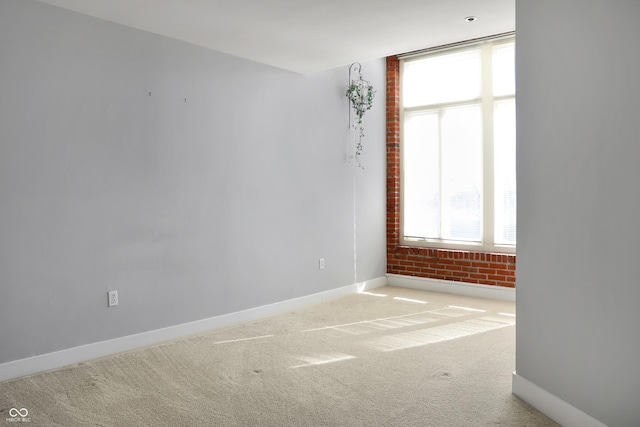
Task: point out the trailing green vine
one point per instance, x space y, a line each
360 94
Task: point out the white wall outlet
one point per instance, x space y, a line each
321 263
113 298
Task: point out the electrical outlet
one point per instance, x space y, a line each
321 264
113 298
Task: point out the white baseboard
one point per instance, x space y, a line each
58 359
551 405
371 284
451 287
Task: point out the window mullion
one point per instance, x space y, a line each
440 117
487 148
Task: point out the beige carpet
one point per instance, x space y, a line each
363 360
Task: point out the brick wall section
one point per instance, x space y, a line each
461 266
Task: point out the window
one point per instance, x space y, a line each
458 148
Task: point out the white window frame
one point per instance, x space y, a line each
487 100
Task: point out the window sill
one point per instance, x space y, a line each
457 246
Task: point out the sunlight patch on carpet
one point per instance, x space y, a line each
409 300
244 339
376 325
322 359
498 319
451 312
434 335
468 309
372 294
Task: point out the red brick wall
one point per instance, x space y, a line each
461 266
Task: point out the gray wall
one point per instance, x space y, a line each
578 290
189 209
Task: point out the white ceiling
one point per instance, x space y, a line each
306 36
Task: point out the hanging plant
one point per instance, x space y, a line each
360 94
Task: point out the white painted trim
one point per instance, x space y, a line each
371 284
551 405
70 356
451 287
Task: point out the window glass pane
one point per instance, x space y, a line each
504 75
444 78
421 175
444 151
462 173
505 172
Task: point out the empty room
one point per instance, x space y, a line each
305 213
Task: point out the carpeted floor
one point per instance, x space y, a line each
383 358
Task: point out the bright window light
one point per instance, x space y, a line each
458 148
